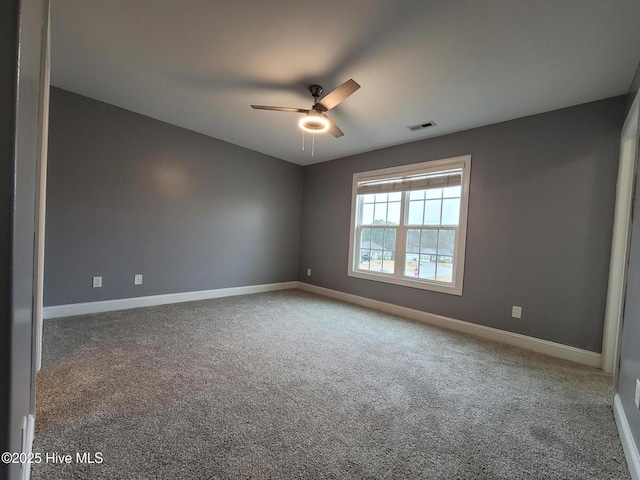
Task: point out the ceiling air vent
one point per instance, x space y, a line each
415 128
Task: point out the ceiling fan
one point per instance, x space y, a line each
315 120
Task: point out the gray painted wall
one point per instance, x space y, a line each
630 339
128 194
633 88
541 207
18 181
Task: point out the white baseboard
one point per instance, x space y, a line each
530 343
28 432
628 445
152 300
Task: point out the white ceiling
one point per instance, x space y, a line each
199 64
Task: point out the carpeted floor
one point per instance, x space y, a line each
293 385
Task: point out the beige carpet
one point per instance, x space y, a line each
294 385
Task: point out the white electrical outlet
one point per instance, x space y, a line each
137 279
97 282
308 272
637 393
516 312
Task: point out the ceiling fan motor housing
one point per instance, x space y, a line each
316 90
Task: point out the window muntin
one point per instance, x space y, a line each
409 224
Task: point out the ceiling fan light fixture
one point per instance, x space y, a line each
314 123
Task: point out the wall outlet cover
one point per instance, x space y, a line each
137 279
97 282
516 312
308 272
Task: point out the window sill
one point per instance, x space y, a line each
407 282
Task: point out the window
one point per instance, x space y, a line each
408 224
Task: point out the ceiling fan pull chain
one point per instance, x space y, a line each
303 140
313 142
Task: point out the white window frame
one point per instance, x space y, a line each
398 277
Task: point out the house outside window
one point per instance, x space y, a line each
408 224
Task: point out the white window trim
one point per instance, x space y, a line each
461 239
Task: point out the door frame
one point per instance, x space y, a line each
41 199
627 171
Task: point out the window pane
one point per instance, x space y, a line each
380 214
446 246
368 198
411 265
388 261
365 257
413 240
415 212
377 260
377 239
365 237
446 242
363 263
390 239
429 242
381 197
428 253
432 212
367 214
450 212
416 195
365 249
411 260
427 267
434 193
395 196
444 271
450 192
393 215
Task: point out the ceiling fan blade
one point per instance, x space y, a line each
336 96
280 109
333 128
